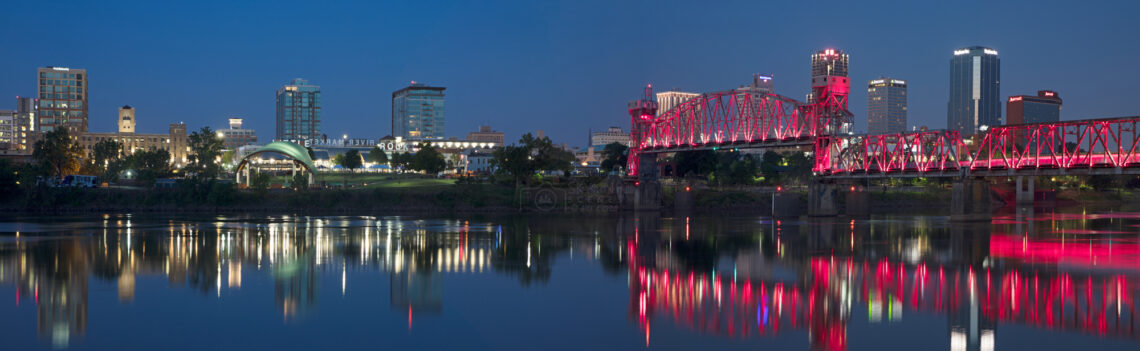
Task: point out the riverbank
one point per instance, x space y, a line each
453 198
471 198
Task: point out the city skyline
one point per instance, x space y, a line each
572 63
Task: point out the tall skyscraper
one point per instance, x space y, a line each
418 112
669 99
829 62
975 90
761 83
299 111
830 84
886 106
62 99
1045 107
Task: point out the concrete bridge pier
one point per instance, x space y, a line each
823 199
970 200
644 192
1025 190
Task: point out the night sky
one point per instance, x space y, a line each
562 67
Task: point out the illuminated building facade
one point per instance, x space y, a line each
1045 107
299 111
62 99
175 142
886 106
485 134
8 129
975 90
24 129
829 62
666 100
236 136
610 136
418 112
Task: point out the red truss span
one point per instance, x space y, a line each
1098 146
740 117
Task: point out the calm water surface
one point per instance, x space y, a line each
141 282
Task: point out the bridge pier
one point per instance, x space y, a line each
645 192
1025 191
970 200
823 199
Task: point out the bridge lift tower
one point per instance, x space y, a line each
642 110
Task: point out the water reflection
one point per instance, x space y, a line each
741 278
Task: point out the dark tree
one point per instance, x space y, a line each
616 155
205 151
57 154
428 160
378 156
350 160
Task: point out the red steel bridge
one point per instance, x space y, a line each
751 118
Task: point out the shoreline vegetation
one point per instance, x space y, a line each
402 195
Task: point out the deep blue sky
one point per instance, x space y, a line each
559 66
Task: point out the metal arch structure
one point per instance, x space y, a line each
1095 146
740 117
297 153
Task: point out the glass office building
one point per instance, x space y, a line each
62 99
1045 107
886 106
975 90
418 112
299 111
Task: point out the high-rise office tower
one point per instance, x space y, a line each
1045 107
299 111
667 100
62 99
761 83
829 62
831 86
975 90
418 112
886 106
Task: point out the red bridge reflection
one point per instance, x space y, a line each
830 291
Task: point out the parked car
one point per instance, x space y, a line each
79 181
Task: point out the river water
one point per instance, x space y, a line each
1037 281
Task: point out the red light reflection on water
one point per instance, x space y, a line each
1085 252
1047 299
